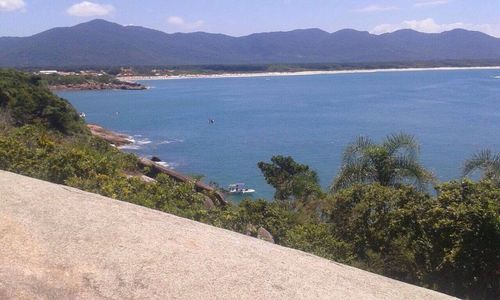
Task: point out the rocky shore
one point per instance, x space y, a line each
114 138
98 86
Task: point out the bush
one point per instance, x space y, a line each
28 101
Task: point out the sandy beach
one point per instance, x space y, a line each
299 73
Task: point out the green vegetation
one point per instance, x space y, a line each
376 219
486 162
24 98
292 181
392 163
76 79
87 81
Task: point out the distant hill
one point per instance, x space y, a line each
102 43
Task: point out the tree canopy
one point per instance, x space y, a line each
290 179
393 162
28 101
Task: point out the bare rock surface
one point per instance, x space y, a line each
58 242
265 235
117 139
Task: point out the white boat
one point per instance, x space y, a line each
239 188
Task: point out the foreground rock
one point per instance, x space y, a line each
62 243
265 235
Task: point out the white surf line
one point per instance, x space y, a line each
300 73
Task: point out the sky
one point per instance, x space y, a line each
242 17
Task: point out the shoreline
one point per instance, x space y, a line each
114 138
124 85
298 73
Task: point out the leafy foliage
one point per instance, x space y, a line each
318 239
56 79
28 101
449 243
390 163
290 179
462 239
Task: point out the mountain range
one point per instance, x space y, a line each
102 43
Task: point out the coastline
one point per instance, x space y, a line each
298 73
124 85
114 138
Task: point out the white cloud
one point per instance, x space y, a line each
180 23
430 26
375 8
427 3
11 5
89 9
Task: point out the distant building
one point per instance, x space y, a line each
48 72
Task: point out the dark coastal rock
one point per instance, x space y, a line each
155 159
264 235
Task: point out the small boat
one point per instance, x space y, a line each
239 188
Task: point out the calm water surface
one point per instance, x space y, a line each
312 118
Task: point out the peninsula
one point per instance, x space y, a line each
85 80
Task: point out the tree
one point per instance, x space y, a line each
291 180
461 252
381 226
485 161
391 163
28 101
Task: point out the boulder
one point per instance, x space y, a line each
263 234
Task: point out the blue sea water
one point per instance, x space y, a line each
312 118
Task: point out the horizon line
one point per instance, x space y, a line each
254 33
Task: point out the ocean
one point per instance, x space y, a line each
312 118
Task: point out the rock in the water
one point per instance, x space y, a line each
155 159
263 234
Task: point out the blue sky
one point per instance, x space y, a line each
241 17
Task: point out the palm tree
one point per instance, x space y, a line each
485 161
390 163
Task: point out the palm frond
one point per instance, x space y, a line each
484 160
409 169
351 174
406 143
354 150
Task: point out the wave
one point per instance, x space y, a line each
166 142
170 165
497 77
143 142
130 147
138 141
